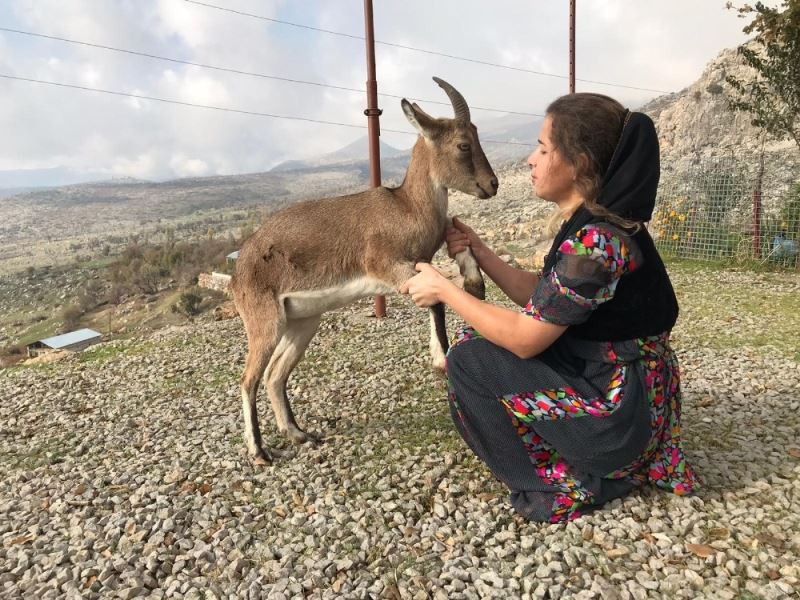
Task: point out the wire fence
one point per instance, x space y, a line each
732 209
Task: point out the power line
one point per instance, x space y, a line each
248 73
414 49
225 109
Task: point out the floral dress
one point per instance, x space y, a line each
583 422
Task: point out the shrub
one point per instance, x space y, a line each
70 317
188 303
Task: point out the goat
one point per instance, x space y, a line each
320 255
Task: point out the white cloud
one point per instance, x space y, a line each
188 167
660 46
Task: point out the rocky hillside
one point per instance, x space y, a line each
696 123
123 475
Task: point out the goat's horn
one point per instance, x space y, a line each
456 99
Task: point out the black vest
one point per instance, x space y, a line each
644 302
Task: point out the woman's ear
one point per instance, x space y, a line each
581 166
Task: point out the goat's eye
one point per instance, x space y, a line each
464 147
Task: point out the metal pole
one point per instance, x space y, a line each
757 210
571 46
373 122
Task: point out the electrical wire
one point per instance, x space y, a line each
225 109
248 73
424 51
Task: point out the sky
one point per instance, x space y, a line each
646 44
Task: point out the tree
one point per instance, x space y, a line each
188 303
772 95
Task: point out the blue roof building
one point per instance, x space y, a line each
74 340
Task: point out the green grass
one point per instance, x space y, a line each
734 308
50 452
104 353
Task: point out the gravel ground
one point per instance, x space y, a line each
124 473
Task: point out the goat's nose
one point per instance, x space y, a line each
495 184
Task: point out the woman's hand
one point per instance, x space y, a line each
461 237
425 288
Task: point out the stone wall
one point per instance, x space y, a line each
214 281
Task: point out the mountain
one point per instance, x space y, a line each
696 123
52 177
357 151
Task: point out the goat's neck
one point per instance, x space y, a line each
420 189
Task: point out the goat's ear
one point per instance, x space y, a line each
418 110
421 121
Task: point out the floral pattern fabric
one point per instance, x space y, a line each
589 265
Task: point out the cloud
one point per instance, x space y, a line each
662 46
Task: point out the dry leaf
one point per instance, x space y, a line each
719 533
647 536
701 550
616 552
297 499
188 487
773 574
23 539
770 540
237 486
280 511
338 583
794 452
130 529
204 489
89 582
705 401
80 489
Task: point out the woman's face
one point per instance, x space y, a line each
553 178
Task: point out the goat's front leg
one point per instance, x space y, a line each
396 275
471 272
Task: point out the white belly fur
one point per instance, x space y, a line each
309 303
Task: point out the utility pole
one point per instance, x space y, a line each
571 46
373 114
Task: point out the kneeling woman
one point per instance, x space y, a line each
575 400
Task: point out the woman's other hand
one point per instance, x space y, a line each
426 287
461 237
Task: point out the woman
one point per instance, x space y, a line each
575 400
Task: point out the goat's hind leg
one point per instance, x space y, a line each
262 337
287 355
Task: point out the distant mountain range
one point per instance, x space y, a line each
353 157
357 151
692 122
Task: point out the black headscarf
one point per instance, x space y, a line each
644 302
629 184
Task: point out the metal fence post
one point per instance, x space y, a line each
373 121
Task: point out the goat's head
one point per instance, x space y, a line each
457 159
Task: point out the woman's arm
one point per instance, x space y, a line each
517 284
515 331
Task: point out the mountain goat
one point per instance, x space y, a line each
320 255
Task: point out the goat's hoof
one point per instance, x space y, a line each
261 458
476 289
298 436
440 371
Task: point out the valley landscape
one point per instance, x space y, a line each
124 465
